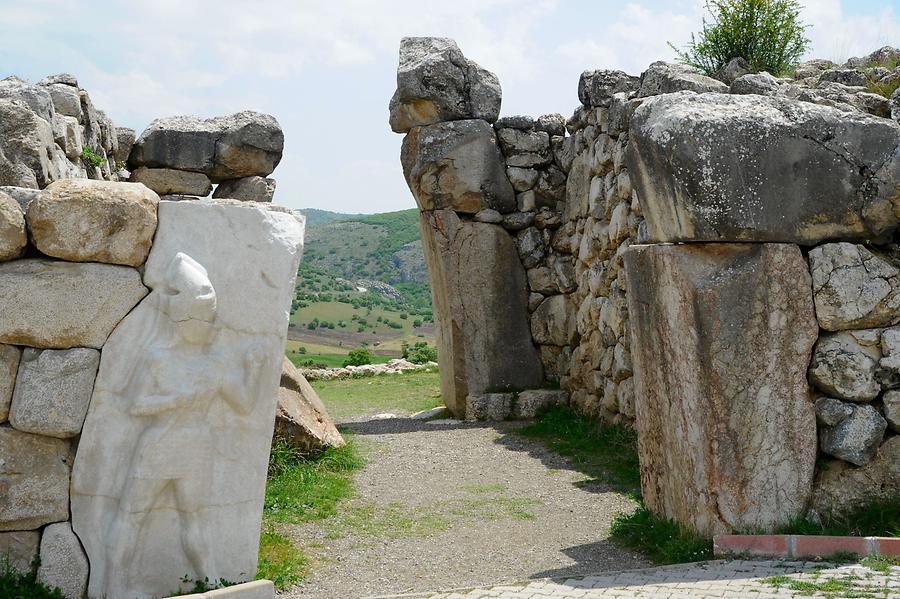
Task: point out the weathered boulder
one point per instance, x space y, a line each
18 549
125 137
666 78
726 430
552 124
456 165
516 121
227 147
553 322
66 100
27 147
9 365
247 189
737 67
34 476
845 368
436 83
516 221
480 306
891 401
22 195
854 287
525 149
301 419
755 83
12 228
53 390
842 488
530 244
895 105
850 77
717 167
830 411
34 97
166 181
63 562
80 220
50 304
856 437
522 179
596 88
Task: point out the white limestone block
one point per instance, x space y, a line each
170 474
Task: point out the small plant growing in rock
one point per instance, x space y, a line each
767 33
358 357
91 157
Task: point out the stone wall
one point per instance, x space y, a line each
743 364
141 346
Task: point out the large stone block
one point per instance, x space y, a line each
553 322
854 437
80 220
170 474
301 419
247 189
721 337
34 480
456 165
846 367
50 304
666 78
435 83
480 301
53 389
228 147
63 562
717 167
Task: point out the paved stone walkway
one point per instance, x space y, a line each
716 579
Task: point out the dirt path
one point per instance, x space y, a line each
445 506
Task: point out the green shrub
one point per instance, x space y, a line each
419 352
91 157
663 541
767 33
16 585
358 357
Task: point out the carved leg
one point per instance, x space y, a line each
190 497
137 499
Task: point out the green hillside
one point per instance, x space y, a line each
362 281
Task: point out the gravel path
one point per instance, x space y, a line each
459 505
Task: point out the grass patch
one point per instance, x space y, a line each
409 392
875 519
392 521
490 509
280 560
607 453
17 585
881 563
845 587
480 489
302 488
662 541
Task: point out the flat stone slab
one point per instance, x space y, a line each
34 479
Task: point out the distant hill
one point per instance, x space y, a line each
384 247
363 281
315 217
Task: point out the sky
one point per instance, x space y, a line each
326 69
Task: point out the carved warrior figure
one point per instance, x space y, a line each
170 389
